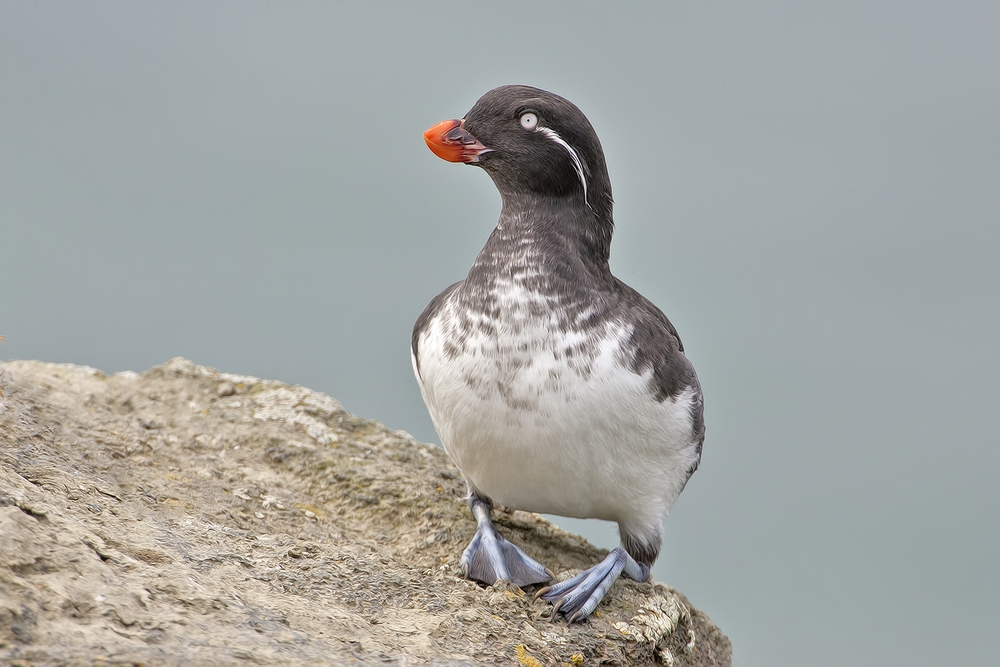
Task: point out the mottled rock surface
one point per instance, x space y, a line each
188 516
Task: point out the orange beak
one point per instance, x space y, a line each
452 142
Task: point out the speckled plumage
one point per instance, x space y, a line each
554 386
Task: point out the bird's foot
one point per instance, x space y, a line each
490 558
578 596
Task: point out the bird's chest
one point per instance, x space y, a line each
530 396
520 353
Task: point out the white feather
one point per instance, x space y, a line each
538 429
577 165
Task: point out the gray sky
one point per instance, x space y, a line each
811 194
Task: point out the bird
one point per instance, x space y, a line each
555 387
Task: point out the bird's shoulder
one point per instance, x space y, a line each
654 344
432 309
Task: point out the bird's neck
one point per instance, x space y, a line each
543 246
556 225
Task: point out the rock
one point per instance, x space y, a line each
184 515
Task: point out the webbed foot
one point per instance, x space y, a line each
490 557
578 596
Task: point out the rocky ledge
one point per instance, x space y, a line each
188 516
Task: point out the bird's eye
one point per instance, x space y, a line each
529 121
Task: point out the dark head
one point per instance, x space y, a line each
530 142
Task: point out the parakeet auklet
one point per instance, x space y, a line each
555 387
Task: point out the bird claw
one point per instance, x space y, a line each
578 596
555 609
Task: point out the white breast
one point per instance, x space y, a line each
552 421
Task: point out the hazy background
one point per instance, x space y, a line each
812 195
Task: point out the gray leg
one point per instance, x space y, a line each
490 558
578 596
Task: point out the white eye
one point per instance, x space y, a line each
529 121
